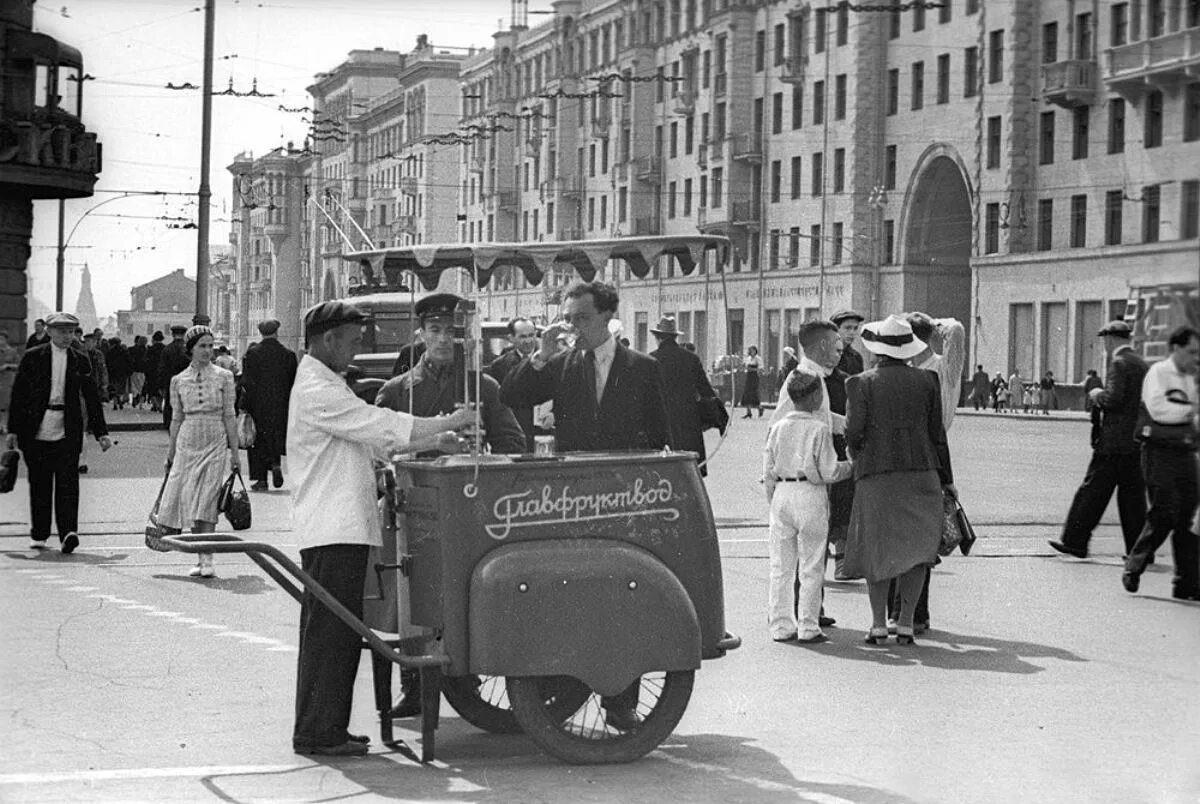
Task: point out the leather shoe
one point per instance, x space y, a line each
812 640
1078 552
826 622
37 544
277 477
1131 581
1187 594
407 706
258 485
621 718
358 738
350 748
69 543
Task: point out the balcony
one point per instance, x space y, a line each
683 101
794 70
1163 62
408 185
649 225
745 213
600 126
746 147
649 169
1069 83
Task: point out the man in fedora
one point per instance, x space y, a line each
1114 465
268 372
51 391
684 384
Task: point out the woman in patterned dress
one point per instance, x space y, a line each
204 443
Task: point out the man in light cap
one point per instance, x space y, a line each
46 420
333 437
848 323
268 372
1114 463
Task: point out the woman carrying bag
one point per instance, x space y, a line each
204 444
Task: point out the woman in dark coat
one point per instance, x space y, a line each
901 470
750 395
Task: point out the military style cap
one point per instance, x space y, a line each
61 319
846 315
1118 328
331 314
268 327
179 329
439 305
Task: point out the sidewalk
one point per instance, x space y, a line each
128 419
1054 415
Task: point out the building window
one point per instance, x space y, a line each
814 244
894 22
991 230
918 85
1189 210
818 177
839 96
1119 24
820 31
839 169
1113 203
1151 207
670 200
836 257
1083 37
818 103
773 252
797 106
780 43
1050 43
1191 112
843 23
760 47
674 140
718 175
889 168
702 202
776 180
970 72
889 242
972 7
777 113
1116 125
918 17
1046 149
622 206
1152 137
1078 221
1079 132
993 142
797 178
793 247
893 92
1045 224
943 78
944 12
996 57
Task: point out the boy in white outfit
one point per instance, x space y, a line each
799 462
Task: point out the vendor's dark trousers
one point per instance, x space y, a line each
329 650
261 462
53 487
1104 474
1171 480
921 615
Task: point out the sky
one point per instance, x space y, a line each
151 134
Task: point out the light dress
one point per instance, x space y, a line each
202 399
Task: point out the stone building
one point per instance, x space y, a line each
156 305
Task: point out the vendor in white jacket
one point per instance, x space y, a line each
332 439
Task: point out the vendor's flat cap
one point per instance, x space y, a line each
268 327
179 329
61 319
1118 328
846 315
330 314
438 305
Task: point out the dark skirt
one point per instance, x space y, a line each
750 392
895 524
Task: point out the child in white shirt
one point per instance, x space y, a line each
799 462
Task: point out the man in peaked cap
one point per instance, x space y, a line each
848 323
268 373
1114 464
51 391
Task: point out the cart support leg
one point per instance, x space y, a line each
431 697
381 670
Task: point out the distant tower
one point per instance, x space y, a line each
85 308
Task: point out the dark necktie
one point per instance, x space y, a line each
589 371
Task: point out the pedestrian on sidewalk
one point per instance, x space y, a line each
268 372
901 469
172 360
1047 393
1000 393
203 443
981 388
799 463
52 389
1169 434
152 390
750 393
1114 465
137 366
848 323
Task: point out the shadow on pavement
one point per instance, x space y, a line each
496 768
945 650
238 585
54 556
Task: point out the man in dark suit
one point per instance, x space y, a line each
848 323
606 397
522 335
174 359
268 372
1114 463
684 385
46 420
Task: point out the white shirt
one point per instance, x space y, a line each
332 439
802 444
53 427
785 405
604 354
1164 383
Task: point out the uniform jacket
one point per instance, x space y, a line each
173 360
268 373
499 370
1118 404
632 414
31 395
684 384
436 391
894 421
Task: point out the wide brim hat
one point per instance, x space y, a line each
665 326
892 337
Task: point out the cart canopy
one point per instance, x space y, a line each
385 267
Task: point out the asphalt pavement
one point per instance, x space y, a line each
126 680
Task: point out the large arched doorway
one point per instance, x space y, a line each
937 239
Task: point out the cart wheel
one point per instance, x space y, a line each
483 701
582 737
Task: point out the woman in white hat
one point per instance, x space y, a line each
901 469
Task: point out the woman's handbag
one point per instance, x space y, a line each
235 503
154 531
10 460
965 529
713 414
246 430
951 534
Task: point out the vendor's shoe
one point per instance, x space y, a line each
258 485
408 706
69 543
277 477
622 718
1066 549
350 748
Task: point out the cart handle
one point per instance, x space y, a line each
259 552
